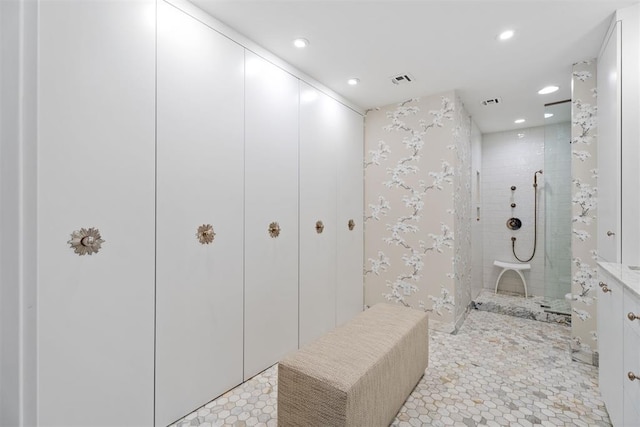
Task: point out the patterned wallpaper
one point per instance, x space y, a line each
584 200
417 199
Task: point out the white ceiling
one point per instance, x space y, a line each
444 45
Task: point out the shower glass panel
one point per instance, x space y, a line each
557 200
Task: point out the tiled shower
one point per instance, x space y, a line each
510 159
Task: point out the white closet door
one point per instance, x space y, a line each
609 148
319 131
271 195
350 143
96 127
200 182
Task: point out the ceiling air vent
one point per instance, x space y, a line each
492 101
402 79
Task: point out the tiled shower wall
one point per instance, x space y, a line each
476 201
557 194
510 158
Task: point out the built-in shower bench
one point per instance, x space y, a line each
359 374
518 268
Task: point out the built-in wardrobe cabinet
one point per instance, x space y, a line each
96 179
330 212
618 76
199 215
182 179
271 214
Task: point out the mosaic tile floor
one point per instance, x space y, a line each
497 370
533 307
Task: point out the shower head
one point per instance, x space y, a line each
535 177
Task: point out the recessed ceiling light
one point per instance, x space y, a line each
300 43
521 135
518 121
548 89
353 81
547 115
506 35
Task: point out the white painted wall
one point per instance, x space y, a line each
507 160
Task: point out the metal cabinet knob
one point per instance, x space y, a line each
319 227
351 224
632 376
274 229
601 284
632 316
605 289
205 234
86 241
610 233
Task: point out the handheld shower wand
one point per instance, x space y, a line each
535 220
535 178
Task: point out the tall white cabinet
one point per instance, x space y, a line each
609 146
205 169
618 134
331 245
200 186
318 233
271 214
96 144
349 226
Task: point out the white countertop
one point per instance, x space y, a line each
630 279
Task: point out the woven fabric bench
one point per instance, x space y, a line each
359 374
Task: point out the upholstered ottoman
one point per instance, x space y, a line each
359 374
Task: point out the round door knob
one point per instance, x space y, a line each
605 289
86 241
205 234
274 229
633 316
632 376
610 233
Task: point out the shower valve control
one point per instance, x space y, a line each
633 316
